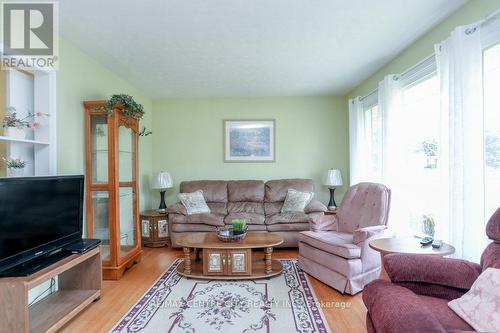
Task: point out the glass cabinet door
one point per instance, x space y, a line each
128 202
99 181
99 148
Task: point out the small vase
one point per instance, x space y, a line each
15 172
14 132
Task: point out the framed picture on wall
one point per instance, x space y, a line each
249 140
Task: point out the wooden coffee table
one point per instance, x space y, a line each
228 260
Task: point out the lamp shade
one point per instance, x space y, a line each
162 180
333 177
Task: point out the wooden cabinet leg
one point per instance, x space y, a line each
187 260
268 264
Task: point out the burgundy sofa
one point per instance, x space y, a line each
416 299
258 202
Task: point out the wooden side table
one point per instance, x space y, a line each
154 229
408 245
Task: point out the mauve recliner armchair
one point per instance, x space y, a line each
342 258
416 299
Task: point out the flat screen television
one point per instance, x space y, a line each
38 215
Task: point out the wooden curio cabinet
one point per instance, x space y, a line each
111 187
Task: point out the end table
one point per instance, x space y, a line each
154 229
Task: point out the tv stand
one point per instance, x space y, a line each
79 284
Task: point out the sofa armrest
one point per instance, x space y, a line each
394 309
315 206
362 234
415 268
177 208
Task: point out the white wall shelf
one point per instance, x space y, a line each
6 138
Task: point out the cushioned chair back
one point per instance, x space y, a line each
214 192
276 190
364 205
491 255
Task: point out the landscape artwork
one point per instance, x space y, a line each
249 140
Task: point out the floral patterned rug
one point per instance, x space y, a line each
282 304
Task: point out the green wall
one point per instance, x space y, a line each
472 11
81 78
311 137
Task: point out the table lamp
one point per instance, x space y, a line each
161 181
333 179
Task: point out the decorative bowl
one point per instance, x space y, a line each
227 234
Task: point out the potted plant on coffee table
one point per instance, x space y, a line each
239 226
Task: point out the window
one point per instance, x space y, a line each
491 79
421 109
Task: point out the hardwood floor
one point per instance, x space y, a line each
119 296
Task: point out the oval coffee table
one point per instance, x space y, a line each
408 245
229 260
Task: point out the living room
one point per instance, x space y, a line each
250 166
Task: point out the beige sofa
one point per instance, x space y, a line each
258 202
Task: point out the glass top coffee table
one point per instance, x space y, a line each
228 260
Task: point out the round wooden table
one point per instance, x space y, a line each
408 245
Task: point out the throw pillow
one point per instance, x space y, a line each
480 306
296 201
194 202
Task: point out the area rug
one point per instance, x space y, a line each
282 304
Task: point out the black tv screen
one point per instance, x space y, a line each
37 215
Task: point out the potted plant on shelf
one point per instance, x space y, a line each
15 127
125 104
15 166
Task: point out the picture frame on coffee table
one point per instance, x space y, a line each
249 140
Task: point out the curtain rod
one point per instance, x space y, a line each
401 74
487 19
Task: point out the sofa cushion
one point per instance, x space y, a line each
213 190
287 218
288 227
245 190
337 243
442 312
217 207
296 201
192 227
271 208
251 218
208 219
245 207
276 190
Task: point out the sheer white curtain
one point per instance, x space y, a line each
357 140
396 149
459 60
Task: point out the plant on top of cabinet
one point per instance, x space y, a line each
124 103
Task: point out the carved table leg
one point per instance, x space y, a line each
268 265
187 260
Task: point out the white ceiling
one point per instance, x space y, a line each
197 48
